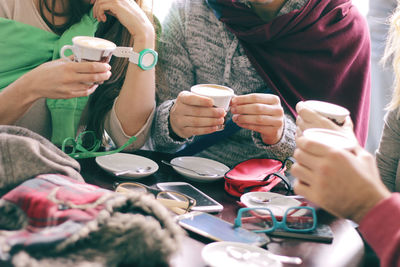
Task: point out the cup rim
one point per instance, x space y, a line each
342 111
349 143
213 84
114 46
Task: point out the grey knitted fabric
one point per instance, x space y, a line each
388 153
25 154
197 48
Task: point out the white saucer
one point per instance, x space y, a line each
235 254
122 161
277 203
201 165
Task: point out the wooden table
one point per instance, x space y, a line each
347 248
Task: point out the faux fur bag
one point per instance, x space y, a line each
53 220
50 217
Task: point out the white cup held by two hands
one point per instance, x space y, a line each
86 48
221 95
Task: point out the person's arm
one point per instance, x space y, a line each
381 229
285 146
345 183
57 79
114 129
388 153
175 73
135 102
7 8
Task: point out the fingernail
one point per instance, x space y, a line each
233 109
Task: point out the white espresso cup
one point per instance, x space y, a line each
331 138
334 112
86 48
221 95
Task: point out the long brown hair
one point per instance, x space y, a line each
102 100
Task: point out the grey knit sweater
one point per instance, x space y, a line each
197 48
388 153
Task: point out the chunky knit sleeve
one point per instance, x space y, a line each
175 73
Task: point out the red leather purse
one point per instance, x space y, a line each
256 175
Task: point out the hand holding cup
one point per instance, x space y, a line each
336 174
319 114
197 113
262 113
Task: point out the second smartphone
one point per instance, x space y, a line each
203 202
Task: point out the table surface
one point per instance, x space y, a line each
347 248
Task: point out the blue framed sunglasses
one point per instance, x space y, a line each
262 220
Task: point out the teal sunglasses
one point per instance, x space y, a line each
262 220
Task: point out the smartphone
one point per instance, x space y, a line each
203 202
217 229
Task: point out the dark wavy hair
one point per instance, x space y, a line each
101 101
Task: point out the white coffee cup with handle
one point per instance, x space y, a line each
86 48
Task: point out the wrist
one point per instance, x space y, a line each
26 86
144 38
369 204
143 42
173 135
272 140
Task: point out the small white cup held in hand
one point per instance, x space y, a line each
331 138
334 112
86 48
221 95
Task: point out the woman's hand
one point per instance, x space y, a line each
345 183
128 13
195 115
262 113
61 79
308 118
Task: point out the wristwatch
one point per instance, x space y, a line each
145 59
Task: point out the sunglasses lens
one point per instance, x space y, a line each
129 187
174 199
257 219
88 140
300 219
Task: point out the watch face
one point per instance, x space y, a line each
148 60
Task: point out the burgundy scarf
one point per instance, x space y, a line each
320 52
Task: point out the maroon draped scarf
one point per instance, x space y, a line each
320 52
